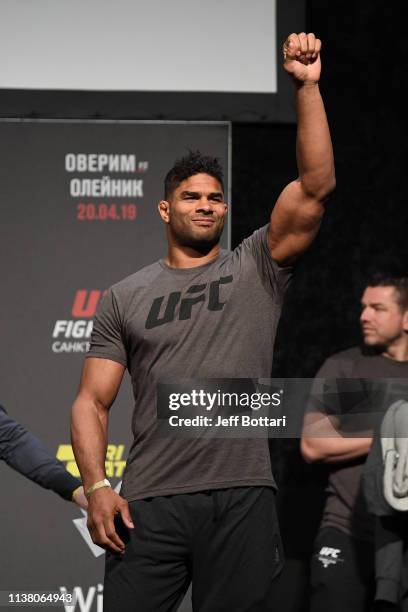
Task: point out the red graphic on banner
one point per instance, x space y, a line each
85 303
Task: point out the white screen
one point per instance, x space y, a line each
149 45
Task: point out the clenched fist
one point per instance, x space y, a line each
301 54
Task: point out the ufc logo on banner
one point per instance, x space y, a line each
85 303
196 295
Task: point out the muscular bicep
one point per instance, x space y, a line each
295 221
100 381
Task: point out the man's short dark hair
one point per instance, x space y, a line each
399 282
189 165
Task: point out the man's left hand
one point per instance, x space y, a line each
301 54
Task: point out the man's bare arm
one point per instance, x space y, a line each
100 382
297 214
321 441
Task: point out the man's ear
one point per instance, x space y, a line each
164 210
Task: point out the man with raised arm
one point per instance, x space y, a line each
195 509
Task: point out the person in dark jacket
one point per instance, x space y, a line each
26 454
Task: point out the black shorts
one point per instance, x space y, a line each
342 573
225 541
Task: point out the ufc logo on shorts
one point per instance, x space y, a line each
326 551
195 294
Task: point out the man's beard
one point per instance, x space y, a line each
201 244
377 346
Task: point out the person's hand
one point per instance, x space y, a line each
103 505
301 53
79 498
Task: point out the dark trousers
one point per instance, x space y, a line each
342 573
226 542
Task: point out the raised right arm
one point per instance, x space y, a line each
100 382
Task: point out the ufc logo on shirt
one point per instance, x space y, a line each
160 315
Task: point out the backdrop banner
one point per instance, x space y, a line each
79 213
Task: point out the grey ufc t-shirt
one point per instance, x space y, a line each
217 320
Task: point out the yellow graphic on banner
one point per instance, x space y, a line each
114 464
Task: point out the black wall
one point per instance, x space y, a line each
366 222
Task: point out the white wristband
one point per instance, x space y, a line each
98 485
